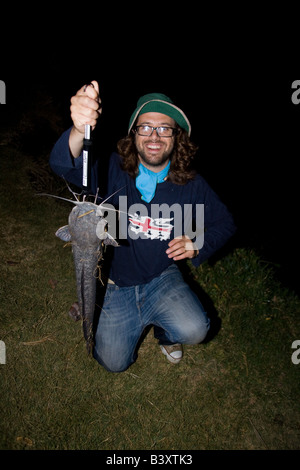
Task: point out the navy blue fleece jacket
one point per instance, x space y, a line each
141 255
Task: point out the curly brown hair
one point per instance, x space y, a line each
181 158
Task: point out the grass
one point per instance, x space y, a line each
240 390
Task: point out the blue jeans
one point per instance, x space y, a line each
166 302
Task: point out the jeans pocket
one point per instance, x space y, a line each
111 289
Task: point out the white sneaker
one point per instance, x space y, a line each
173 352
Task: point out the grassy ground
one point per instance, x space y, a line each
240 390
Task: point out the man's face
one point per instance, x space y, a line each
154 151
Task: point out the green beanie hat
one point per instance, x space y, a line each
159 103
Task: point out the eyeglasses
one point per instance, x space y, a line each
161 131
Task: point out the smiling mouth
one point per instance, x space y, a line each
153 146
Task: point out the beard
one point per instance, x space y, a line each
151 161
154 160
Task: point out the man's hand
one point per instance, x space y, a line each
181 248
85 109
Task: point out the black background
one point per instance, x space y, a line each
237 98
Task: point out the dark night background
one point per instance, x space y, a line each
240 109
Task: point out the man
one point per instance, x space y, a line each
150 171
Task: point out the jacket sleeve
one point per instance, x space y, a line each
66 166
219 226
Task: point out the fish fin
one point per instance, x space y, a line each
109 240
63 233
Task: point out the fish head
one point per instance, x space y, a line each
87 227
83 221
